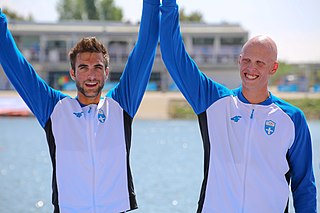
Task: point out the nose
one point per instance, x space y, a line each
92 74
251 67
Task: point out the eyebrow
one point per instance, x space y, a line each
82 65
260 61
85 65
98 65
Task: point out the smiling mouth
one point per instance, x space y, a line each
91 84
251 77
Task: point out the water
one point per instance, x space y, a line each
166 161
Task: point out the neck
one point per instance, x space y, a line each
84 100
256 97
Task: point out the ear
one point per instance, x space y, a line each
72 74
239 59
107 72
275 67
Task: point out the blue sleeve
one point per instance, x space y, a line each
197 88
303 185
39 97
133 82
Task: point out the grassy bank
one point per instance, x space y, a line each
180 109
310 107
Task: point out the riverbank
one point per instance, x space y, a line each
155 105
309 103
168 105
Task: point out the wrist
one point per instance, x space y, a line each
170 3
154 2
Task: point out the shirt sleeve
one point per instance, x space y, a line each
35 92
197 88
303 185
133 82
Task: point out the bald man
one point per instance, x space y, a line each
255 144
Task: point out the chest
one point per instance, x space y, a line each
256 128
76 127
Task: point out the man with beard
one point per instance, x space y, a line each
89 137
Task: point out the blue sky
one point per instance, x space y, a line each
293 24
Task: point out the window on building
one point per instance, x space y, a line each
61 80
56 51
203 49
232 41
202 41
230 49
29 46
114 76
118 51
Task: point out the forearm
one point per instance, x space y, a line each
199 90
137 71
302 178
34 91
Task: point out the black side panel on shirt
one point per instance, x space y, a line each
202 118
52 150
288 177
127 133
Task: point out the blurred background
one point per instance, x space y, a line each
167 149
213 33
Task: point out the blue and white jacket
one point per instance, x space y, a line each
89 145
251 151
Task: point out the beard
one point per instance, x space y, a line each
90 93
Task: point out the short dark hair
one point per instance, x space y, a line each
88 44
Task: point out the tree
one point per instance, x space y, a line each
109 11
283 70
91 10
192 17
14 16
88 10
79 12
65 9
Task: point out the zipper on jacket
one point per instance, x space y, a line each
252 111
247 157
90 136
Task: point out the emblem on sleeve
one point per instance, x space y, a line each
269 127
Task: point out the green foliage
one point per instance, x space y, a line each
109 11
88 10
14 16
65 8
192 17
283 70
310 107
180 109
91 10
78 9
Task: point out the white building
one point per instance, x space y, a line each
215 48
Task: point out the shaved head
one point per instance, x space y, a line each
257 63
266 44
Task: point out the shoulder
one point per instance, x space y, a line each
236 92
292 111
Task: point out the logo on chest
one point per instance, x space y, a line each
236 118
78 114
101 116
269 127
